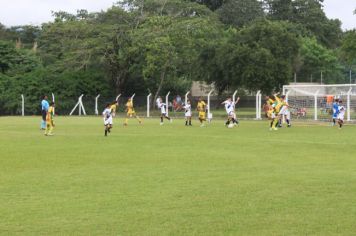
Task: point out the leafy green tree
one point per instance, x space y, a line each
310 15
240 12
348 49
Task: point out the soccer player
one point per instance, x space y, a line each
201 108
277 105
284 112
49 120
271 113
335 111
188 113
230 110
44 109
130 112
163 107
107 115
113 107
341 114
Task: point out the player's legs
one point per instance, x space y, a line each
49 129
43 121
340 122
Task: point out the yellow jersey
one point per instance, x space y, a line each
278 104
113 108
50 114
201 106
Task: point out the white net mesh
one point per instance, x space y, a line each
315 101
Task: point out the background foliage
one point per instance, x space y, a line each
154 46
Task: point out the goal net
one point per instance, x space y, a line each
311 101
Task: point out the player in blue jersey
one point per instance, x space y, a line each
335 110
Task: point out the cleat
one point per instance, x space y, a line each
161 123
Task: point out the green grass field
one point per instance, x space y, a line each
176 180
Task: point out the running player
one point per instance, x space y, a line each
335 111
188 113
107 115
49 120
201 108
230 110
341 114
271 113
113 107
162 107
284 112
130 112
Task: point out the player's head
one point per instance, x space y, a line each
107 105
229 99
45 97
51 104
340 102
115 102
200 99
271 97
188 101
283 96
336 100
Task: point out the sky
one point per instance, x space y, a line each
35 12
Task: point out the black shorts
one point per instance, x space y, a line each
44 114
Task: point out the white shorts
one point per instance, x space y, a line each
108 121
188 114
283 111
341 117
232 114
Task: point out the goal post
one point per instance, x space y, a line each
314 101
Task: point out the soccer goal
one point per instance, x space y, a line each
311 101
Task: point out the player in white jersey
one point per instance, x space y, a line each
188 113
107 115
162 106
341 114
230 110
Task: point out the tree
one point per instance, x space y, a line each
310 15
240 12
316 58
348 48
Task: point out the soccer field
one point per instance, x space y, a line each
175 180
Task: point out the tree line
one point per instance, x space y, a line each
157 46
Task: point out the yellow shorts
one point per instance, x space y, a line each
202 115
130 113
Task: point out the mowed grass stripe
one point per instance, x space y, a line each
175 180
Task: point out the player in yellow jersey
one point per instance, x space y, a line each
277 105
130 112
113 107
201 108
268 108
49 120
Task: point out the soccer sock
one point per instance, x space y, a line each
50 129
276 123
279 122
271 123
126 121
227 122
234 121
161 119
190 121
287 120
168 118
334 121
186 122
